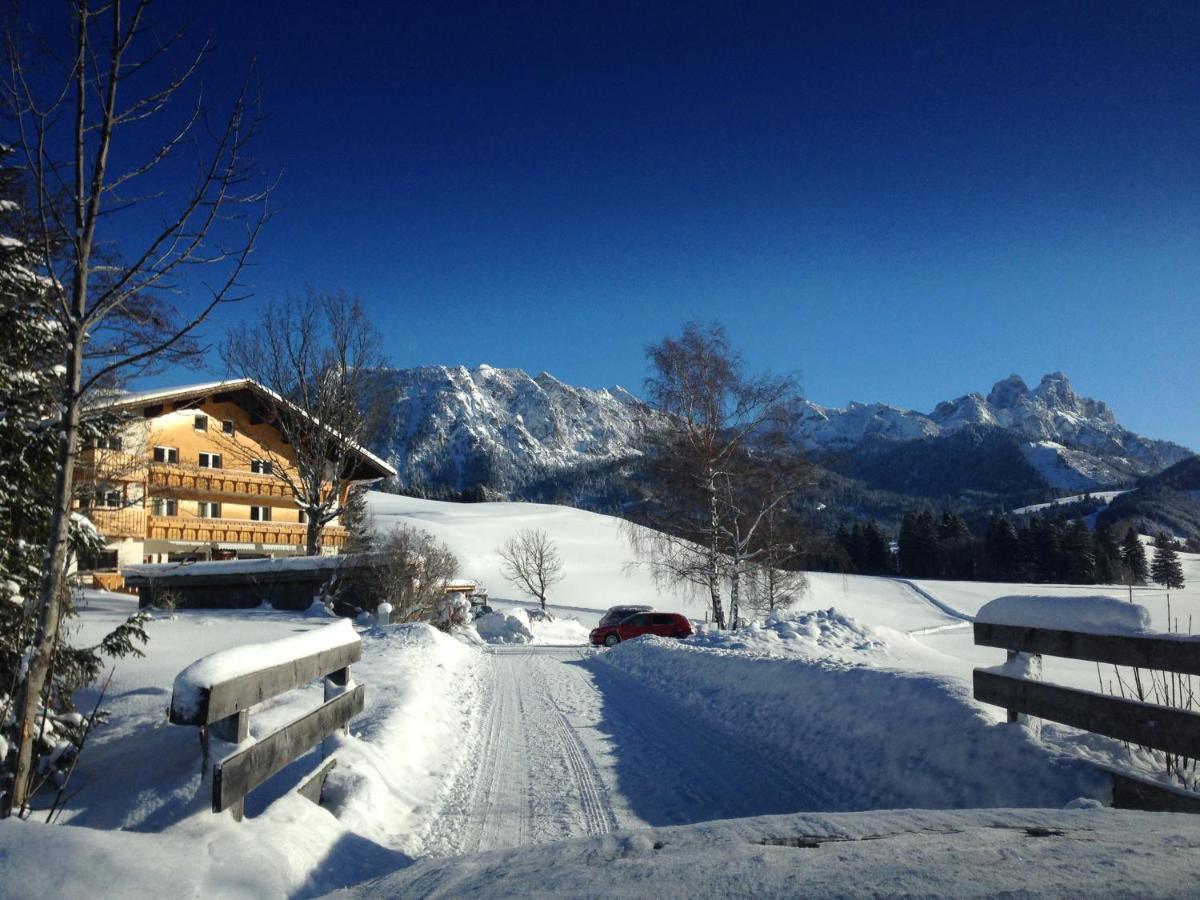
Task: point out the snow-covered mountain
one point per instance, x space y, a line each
1074 442
453 430
495 433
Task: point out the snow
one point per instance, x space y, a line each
866 736
531 768
593 547
225 665
823 633
1094 614
257 567
1101 496
504 628
517 626
1023 853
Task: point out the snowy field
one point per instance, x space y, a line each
525 762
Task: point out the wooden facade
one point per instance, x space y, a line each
199 473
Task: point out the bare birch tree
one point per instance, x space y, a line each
713 413
530 560
319 357
122 91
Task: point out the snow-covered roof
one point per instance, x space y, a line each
142 399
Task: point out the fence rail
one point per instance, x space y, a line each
1165 728
223 711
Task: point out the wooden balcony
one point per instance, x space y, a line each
118 523
109 465
177 480
237 531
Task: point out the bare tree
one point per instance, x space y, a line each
411 572
530 560
318 356
702 521
106 298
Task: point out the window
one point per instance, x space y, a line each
207 509
164 507
166 454
260 514
302 517
112 442
261 466
210 460
201 423
227 426
663 619
110 498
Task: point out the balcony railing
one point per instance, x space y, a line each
178 480
118 523
238 531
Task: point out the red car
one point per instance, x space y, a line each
661 624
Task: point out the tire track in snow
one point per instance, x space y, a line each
585 775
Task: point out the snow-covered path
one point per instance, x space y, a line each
566 748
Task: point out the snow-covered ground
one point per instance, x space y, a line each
710 766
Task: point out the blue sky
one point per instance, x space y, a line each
900 202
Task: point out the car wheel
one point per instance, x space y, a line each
612 640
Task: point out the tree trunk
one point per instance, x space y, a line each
29 693
312 544
735 582
714 555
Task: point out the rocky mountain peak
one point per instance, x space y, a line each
1005 394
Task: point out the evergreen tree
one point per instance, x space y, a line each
30 382
1110 568
1166 568
877 551
1002 547
1079 553
1133 554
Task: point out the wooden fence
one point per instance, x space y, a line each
224 712
1143 723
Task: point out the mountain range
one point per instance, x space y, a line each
488 433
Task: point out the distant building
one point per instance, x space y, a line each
193 475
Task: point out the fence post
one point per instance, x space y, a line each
233 730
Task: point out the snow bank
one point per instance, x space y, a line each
790 633
877 738
200 676
1024 853
517 626
422 692
1095 614
505 627
559 631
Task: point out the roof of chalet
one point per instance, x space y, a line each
374 466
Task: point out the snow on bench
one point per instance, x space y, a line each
216 693
192 697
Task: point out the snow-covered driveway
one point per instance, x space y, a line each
568 748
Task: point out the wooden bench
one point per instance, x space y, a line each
222 709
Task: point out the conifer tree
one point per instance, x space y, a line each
1110 569
1133 554
1166 569
30 381
1003 549
877 552
1079 553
